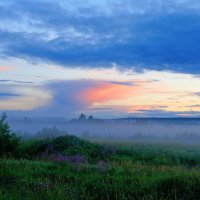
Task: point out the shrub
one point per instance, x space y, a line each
8 140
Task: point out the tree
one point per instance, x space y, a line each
91 118
82 117
8 140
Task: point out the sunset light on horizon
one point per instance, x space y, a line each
99 57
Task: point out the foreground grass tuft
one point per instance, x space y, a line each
123 175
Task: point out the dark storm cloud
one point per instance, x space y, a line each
145 35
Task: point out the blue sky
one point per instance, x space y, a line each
61 49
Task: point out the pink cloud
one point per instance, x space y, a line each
4 68
105 91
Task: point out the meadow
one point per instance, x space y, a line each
71 168
67 167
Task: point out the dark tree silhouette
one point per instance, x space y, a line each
8 141
82 117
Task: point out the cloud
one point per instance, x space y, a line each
15 81
98 97
73 96
99 109
65 97
22 97
128 83
107 91
7 95
196 93
163 113
155 34
2 68
194 106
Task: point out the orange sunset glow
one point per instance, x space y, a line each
3 68
107 91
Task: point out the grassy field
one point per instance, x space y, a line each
70 168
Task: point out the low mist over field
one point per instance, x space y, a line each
148 129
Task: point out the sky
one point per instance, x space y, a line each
107 58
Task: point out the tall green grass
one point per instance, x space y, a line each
113 171
46 180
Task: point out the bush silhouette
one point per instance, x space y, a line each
8 141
